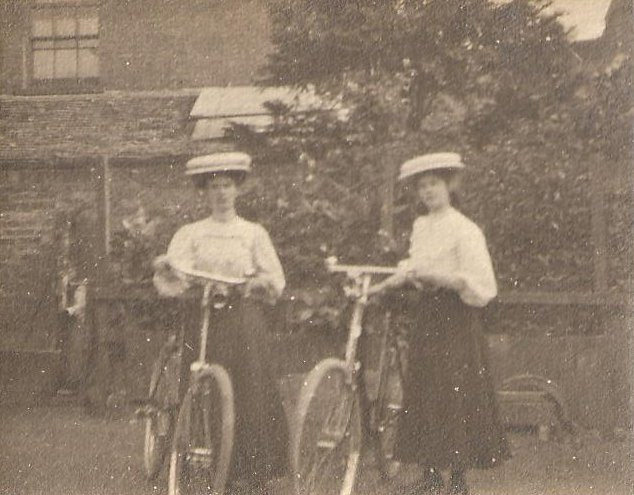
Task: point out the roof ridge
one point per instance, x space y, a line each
162 93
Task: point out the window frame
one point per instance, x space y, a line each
61 85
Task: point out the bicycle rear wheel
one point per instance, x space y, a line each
160 413
203 440
326 447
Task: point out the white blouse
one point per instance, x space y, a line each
450 244
237 248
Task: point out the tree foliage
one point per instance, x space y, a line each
495 82
498 83
501 62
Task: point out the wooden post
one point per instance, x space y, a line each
107 204
387 207
101 180
598 227
25 70
387 191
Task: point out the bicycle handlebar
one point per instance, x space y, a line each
206 277
353 271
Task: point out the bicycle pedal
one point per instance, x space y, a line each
145 411
199 366
200 458
326 444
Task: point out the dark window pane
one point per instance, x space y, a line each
88 63
65 26
43 64
88 22
88 43
65 63
42 24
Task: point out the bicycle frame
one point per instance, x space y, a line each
211 283
361 275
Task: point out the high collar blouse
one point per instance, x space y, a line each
237 248
449 243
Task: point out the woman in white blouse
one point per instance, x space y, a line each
226 244
450 420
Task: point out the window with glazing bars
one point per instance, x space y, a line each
65 41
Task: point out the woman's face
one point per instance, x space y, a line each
222 192
434 191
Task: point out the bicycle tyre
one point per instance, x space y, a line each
386 412
328 420
203 440
159 424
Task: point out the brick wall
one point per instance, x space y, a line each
30 201
152 44
70 126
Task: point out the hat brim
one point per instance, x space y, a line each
432 168
218 170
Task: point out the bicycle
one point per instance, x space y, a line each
327 444
203 429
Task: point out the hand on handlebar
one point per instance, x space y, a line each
429 277
161 263
166 281
391 282
376 289
258 288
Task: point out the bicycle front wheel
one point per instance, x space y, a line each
326 446
203 439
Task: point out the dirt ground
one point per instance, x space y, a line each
59 449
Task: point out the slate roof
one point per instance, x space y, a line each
112 123
132 124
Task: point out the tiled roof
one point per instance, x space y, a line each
115 123
138 124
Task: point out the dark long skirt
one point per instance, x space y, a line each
450 414
238 341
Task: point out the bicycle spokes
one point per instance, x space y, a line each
330 455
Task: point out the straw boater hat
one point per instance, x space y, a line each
430 161
219 162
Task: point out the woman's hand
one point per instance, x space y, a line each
166 281
391 282
376 289
429 276
161 264
258 288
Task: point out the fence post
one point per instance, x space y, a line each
387 206
102 181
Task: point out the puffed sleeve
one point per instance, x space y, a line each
475 269
180 250
267 264
179 253
406 265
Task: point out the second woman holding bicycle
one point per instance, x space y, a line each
449 420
